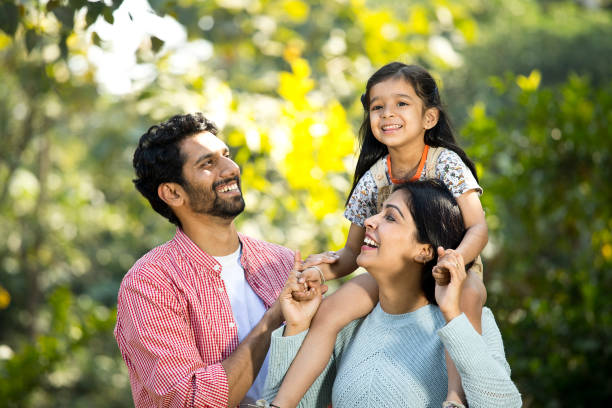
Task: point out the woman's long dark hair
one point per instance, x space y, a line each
425 87
438 222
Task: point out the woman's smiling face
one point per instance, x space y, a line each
390 239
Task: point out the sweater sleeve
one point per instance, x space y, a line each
282 352
481 362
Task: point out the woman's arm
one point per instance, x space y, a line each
485 374
353 300
282 352
481 362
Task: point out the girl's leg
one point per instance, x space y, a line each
355 299
472 300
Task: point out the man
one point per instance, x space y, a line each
195 314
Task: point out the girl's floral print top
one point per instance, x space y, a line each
450 169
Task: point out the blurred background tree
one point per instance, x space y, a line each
528 83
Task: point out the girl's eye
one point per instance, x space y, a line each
401 103
376 107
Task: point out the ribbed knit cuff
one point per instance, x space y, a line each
462 342
282 352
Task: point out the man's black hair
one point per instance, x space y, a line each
158 157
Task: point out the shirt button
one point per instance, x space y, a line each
217 267
379 176
232 324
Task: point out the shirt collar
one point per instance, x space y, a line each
195 253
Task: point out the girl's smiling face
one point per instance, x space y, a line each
397 114
390 242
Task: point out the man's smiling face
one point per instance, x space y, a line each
212 178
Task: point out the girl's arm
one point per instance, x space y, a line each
353 300
477 233
340 263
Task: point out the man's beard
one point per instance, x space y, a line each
209 202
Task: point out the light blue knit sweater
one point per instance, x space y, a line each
395 361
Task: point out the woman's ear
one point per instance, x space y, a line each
171 194
425 254
430 119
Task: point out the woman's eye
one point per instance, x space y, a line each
389 217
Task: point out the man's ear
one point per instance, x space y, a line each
426 254
171 194
430 119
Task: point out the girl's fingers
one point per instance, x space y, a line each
440 252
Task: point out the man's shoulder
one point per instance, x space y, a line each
260 247
153 265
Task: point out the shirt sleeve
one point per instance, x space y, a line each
362 203
454 173
481 362
156 342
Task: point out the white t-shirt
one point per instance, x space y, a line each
247 308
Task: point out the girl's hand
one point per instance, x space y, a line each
450 263
298 302
328 257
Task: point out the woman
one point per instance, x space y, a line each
395 356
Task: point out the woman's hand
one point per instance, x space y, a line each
450 270
298 301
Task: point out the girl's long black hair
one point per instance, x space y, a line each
441 135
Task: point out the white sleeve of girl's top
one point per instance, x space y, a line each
362 203
455 174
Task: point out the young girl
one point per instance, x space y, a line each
405 136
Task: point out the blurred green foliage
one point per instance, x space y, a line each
527 81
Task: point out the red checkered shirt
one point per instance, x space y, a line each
175 322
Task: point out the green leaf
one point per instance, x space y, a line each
93 12
108 15
156 43
65 15
52 5
77 4
32 38
63 45
9 18
95 38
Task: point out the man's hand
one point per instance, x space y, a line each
298 301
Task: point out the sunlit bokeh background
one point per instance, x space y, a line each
528 84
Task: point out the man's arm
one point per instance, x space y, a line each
166 368
245 362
